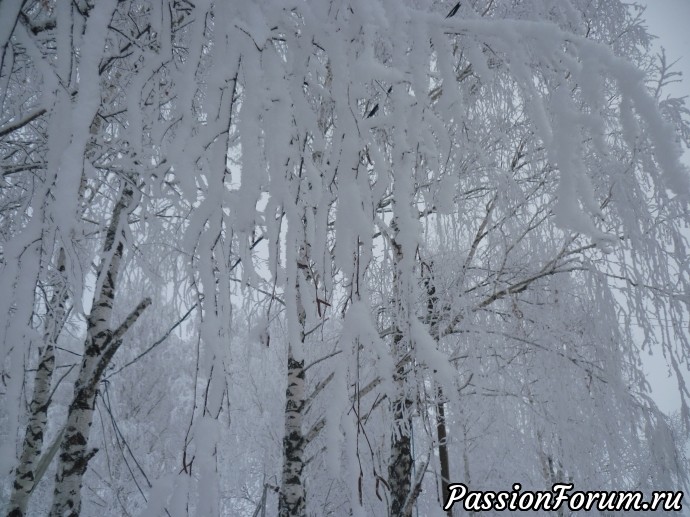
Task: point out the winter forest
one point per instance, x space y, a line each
325 257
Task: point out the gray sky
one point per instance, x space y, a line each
669 20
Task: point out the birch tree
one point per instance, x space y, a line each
93 141
36 429
444 222
102 343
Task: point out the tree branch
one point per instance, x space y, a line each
21 123
157 342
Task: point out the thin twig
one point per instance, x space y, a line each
157 342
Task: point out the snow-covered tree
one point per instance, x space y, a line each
446 232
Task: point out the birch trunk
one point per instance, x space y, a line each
433 319
400 461
443 456
25 474
101 344
292 499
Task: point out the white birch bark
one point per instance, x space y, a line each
25 473
400 460
101 345
292 501
292 498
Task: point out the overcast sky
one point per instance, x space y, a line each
669 20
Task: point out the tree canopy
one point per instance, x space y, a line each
325 258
